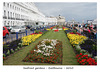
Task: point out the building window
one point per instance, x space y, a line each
4 13
13 14
19 15
15 8
11 23
4 4
16 15
8 13
8 5
4 23
18 9
8 23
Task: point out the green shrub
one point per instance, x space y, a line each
90 55
77 46
4 55
94 47
16 49
78 50
37 31
95 58
75 31
83 51
8 52
12 51
20 45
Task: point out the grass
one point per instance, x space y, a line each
68 52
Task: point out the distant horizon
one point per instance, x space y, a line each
77 10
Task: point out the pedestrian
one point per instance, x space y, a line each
88 30
81 31
95 34
89 33
91 26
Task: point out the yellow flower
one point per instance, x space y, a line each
26 40
76 39
48 29
66 28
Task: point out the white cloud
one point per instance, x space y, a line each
76 10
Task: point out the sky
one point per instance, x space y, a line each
70 10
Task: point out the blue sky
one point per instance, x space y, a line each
77 10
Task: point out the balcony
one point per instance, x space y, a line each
22 19
4 17
9 17
12 18
17 18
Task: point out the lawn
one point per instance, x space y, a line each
68 52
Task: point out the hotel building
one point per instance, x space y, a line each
21 13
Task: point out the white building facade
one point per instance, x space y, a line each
21 13
61 20
51 21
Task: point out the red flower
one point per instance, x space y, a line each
85 60
80 53
57 52
40 33
74 33
79 58
50 57
83 64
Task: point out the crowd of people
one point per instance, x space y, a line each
89 30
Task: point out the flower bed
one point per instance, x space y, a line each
85 49
56 30
51 28
11 47
48 29
85 60
46 51
26 40
74 33
76 39
90 46
36 33
66 29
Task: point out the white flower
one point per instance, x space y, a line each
46 50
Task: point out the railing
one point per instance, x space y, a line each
19 35
16 36
5 17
